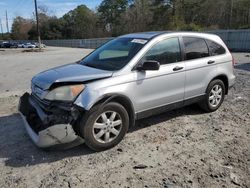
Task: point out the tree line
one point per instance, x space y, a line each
116 17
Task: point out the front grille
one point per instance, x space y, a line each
38 95
30 113
48 106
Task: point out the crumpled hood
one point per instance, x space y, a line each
68 73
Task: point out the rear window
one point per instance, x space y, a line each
214 48
195 48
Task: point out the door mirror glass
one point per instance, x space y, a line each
149 65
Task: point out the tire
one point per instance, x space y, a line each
89 126
213 101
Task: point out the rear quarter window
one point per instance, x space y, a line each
214 48
195 48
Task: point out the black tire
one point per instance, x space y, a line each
89 119
205 104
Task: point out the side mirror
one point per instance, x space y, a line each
149 65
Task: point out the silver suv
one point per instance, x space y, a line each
134 76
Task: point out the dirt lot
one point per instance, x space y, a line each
182 148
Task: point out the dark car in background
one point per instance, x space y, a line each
8 45
5 45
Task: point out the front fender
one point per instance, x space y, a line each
89 97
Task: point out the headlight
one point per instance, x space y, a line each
65 93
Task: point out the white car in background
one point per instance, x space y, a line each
28 45
20 45
42 45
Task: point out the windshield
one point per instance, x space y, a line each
115 54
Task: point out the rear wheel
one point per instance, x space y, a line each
214 96
104 126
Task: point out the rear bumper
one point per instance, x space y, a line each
231 81
41 128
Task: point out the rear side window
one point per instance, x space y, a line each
165 52
214 48
195 48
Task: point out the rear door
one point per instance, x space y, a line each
199 66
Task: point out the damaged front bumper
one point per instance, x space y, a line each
48 128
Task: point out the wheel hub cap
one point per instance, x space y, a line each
215 96
107 126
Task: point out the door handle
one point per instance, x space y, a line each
177 68
210 62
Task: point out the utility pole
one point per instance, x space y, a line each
1 27
231 13
37 25
248 17
7 22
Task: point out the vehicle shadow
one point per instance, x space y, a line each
245 66
166 116
17 150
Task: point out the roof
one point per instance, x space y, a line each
151 34
145 35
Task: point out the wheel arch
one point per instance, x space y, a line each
121 99
224 79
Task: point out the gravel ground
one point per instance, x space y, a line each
181 148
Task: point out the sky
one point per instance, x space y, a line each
25 8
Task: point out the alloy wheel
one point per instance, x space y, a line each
215 95
107 126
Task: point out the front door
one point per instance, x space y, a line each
166 85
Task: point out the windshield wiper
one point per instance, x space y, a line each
90 65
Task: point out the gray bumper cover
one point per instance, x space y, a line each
61 134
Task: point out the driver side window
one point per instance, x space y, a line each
165 52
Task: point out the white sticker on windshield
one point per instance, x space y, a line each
141 41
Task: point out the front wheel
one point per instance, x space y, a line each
214 96
104 126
